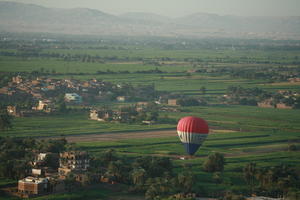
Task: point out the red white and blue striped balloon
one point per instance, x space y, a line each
192 132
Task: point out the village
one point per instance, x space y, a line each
45 179
42 96
56 166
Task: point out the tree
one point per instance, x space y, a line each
52 160
116 169
215 162
138 176
217 177
156 187
203 90
153 116
5 121
186 181
70 182
293 194
108 156
62 107
249 174
292 147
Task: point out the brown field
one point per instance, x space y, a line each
130 135
121 136
283 83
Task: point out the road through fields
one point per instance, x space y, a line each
121 136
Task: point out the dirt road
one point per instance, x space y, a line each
121 136
129 135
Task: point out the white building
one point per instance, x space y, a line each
73 97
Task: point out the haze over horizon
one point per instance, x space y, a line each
179 8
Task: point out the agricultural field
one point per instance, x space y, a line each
242 133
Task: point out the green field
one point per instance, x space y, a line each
243 134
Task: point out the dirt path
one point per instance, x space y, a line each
121 136
130 135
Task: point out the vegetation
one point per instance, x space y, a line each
16 154
260 145
5 121
214 163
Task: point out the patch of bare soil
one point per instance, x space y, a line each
130 135
121 136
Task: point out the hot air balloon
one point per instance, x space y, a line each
192 131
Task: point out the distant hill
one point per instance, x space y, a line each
19 17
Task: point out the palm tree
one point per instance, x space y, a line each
249 174
186 180
138 176
116 168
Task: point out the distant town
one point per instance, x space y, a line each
31 97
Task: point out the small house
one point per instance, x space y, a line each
33 186
172 102
73 98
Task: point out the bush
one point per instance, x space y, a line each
214 163
292 147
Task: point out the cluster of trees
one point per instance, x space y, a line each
150 71
275 181
251 96
214 163
129 114
5 120
153 176
281 73
191 101
136 93
17 153
245 96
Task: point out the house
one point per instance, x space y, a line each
121 98
36 94
100 115
140 106
13 111
172 102
51 87
294 80
17 79
73 98
4 90
266 104
44 105
37 172
35 82
73 161
33 186
40 159
283 106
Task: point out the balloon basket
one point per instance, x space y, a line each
187 157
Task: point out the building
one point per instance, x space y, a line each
121 98
73 161
101 115
266 104
13 111
40 159
294 80
33 186
73 98
283 106
17 79
44 105
172 102
140 106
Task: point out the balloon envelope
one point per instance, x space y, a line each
192 131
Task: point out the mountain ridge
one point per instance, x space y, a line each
21 17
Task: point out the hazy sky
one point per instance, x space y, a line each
182 7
